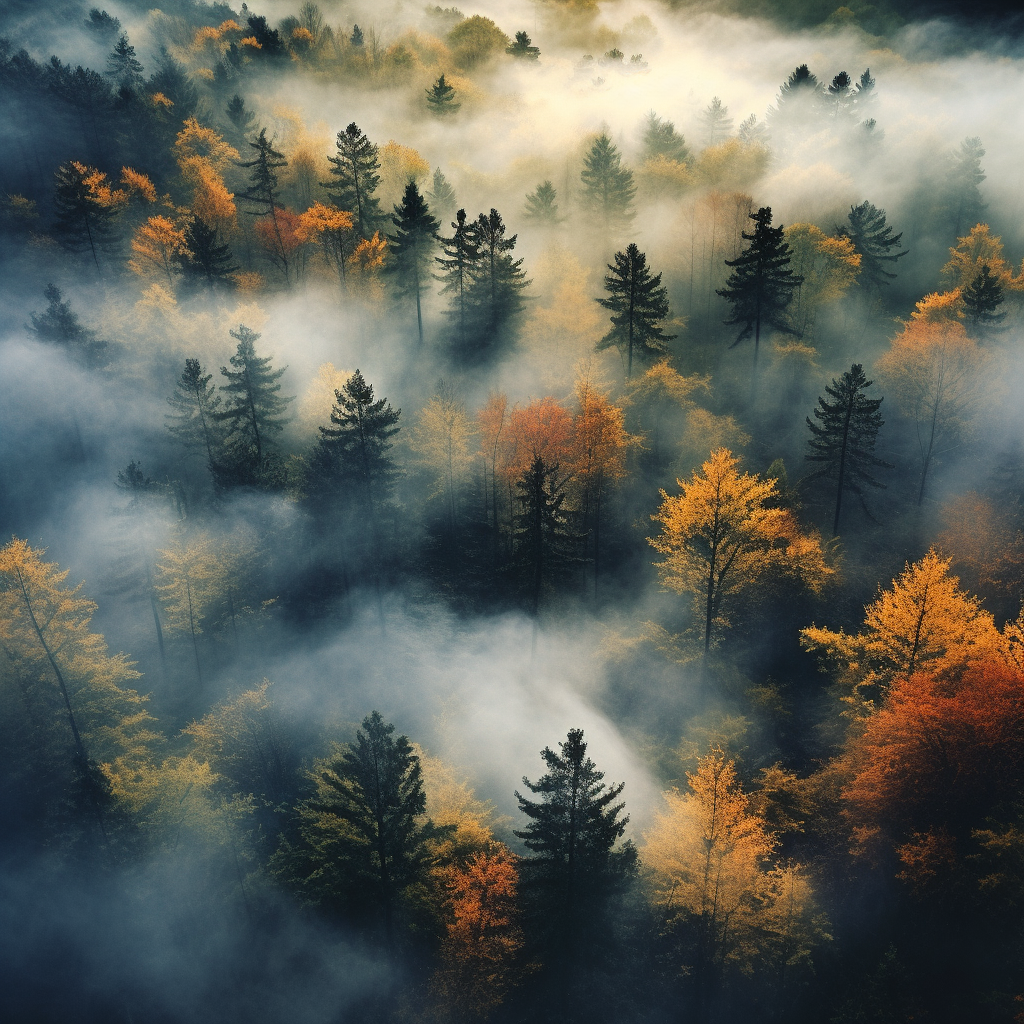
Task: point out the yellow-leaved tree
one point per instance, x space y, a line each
157 241
979 248
331 230
829 267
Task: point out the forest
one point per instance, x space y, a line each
511 512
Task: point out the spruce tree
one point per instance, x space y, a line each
241 117
982 299
460 255
844 442
441 98
523 48
441 196
542 205
962 202
59 324
660 139
410 248
639 303
355 179
253 414
262 192
83 222
123 66
717 122
205 262
796 105
102 24
195 407
873 239
575 865
761 285
607 185
864 93
356 39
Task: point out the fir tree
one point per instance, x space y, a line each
717 122
441 195
660 139
271 45
195 407
460 255
796 104
982 299
262 192
84 223
864 92
522 48
123 66
356 39
874 241
410 247
102 24
639 303
607 185
241 117
253 413
963 205
355 179
844 442
441 98
205 262
575 865
58 324
840 95
542 205
761 285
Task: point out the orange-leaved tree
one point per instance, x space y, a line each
979 248
493 426
332 231
155 245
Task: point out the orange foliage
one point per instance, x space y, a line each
543 428
331 229
280 234
196 140
154 247
599 440
939 308
976 249
136 183
100 189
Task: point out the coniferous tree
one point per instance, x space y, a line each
356 39
355 179
840 96
123 66
797 103
575 865
843 443
982 299
410 247
522 48
864 93
761 285
542 205
752 132
873 239
253 413
84 223
102 24
241 117
204 262
639 303
717 122
441 195
460 255
660 138
962 202
196 406
441 98
59 324
262 192
607 185
271 45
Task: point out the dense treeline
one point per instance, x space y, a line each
773 469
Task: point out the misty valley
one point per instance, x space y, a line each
511 512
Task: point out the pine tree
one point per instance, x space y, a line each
196 405
253 413
441 98
840 95
123 66
410 248
660 139
83 221
205 263
271 45
639 303
239 115
982 298
797 103
761 285
263 191
59 325
844 443
356 179
607 185
441 195
717 122
460 255
542 205
864 93
102 24
752 132
873 239
575 866
962 202
522 48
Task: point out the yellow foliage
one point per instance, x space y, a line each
398 166
158 99
662 176
211 200
732 165
154 247
976 249
137 183
196 140
829 266
475 40
939 308
443 440
314 409
452 804
251 41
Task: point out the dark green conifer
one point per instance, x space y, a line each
522 48
660 138
542 205
355 179
873 239
459 256
59 324
410 248
205 262
195 407
262 191
83 223
239 115
123 66
982 299
608 187
441 98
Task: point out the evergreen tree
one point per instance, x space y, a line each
102 24
262 192
607 185
356 39
241 117
639 303
874 241
575 866
717 122
83 221
171 79
123 66
271 45
864 92
441 195
253 413
752 132
542 205
962 202
660 138
356 179
205 263
840 96
761 285
797 103
410 247
982 299
195 407
58 324
844 442
544 540
522 48
460 254
441 98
